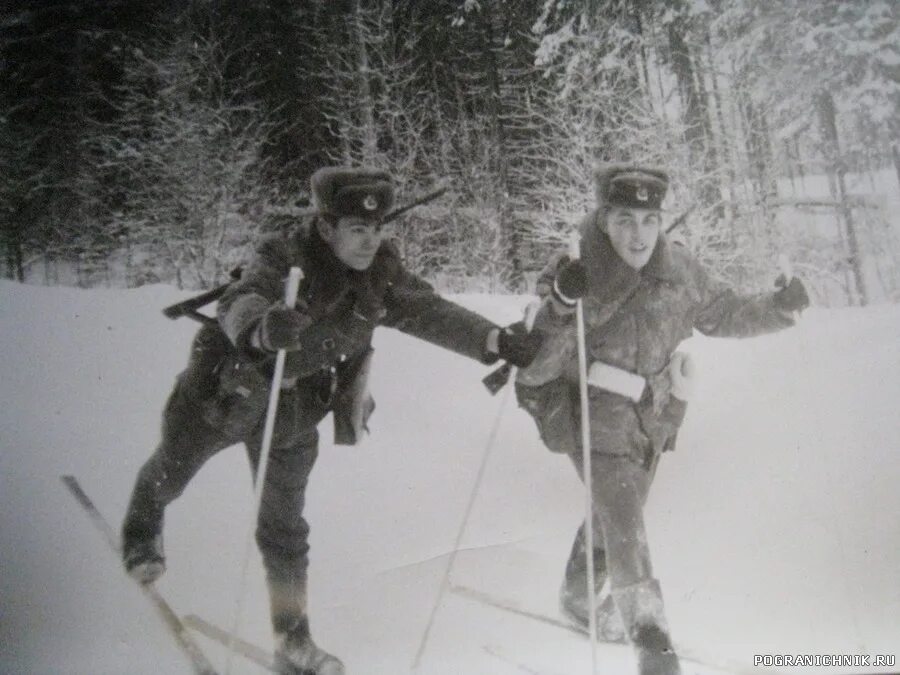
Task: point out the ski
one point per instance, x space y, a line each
248 650
261 657
685 655
199 662
513 608
521 667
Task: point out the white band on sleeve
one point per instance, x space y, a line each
616 380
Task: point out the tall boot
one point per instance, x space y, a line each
573 595
609 622
142 534
295 651
144 557
641 607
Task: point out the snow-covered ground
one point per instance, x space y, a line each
775 526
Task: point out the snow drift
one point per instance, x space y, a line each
774 526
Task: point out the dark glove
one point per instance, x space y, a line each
517 345
280 328
791 297
570 283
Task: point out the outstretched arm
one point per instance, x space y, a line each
416 309
725 313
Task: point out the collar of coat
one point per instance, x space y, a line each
609 276
329 280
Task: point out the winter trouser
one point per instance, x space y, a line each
619 491
281 533
640 479
576 577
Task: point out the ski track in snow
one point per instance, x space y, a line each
774 526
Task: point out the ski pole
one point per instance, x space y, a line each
290 299
575 252
530 314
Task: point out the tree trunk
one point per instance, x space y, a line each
695 113
367 103
641 55
722 143
16 262
760 155
828 120
895 153
7 259
715 143
15 256
656 43
509 235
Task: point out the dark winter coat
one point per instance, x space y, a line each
634 320
329 372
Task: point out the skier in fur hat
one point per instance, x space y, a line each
642 295
353 281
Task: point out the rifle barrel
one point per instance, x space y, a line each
190 306
424 199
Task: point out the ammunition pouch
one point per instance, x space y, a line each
552 406
232 392
324 343
208 349
240 399
353 405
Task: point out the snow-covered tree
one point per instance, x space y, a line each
824 74
186 147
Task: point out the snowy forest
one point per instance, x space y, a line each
151 141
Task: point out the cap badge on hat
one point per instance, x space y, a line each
642 194
370 203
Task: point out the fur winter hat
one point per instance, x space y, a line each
638 187
344 191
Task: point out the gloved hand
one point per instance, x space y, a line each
570 283
280 328
791 297
517 345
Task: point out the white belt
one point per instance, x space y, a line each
616 380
